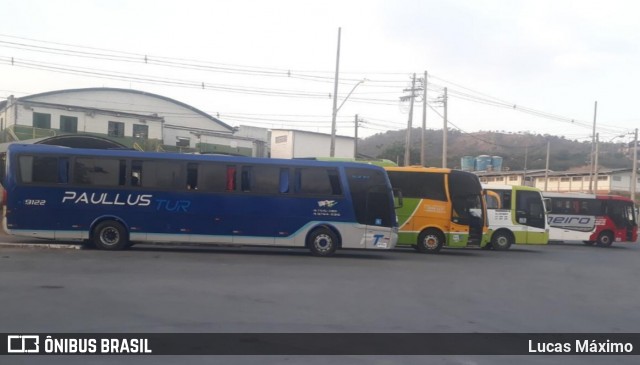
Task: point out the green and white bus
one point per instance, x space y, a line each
517 215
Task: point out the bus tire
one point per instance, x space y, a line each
322 242
430 240
501 240
605 239
110 235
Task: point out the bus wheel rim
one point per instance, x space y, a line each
110 236
431 242
323 242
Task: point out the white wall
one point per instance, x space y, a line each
89 122
137 103
296 144
319 145
281 143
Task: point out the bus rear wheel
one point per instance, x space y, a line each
110 235
501 240
605 239
430 241
322 242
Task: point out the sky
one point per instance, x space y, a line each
515 66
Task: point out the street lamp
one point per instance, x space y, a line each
332 150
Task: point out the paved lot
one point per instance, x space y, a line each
555 288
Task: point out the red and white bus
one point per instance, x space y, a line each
601 219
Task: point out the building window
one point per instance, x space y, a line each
565 179
576 178
553 179
41 120
499 178
116 129
603 178
617 178
140 131
68 124
183 142
513 178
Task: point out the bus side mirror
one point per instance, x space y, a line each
397 198
547 205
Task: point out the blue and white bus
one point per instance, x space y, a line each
114 198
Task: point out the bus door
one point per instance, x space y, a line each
378 220
530 213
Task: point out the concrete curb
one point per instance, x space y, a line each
41 245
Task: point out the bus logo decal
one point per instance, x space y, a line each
327 203
107 199
575 222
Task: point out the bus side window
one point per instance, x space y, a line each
284 181
231 178
63 170
506 200
245 179
136 173
192 176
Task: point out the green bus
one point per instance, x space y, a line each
517 215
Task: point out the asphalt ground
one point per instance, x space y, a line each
562 288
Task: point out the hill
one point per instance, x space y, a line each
564 153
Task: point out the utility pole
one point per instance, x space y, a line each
546 167
595 164
355 142
444 131
524 175
332 149
407 144
593 145
423 143
634 170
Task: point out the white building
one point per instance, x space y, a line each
134 118
288 143
607 181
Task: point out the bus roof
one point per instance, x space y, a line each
417 168
129 153
568 195
613 197
508 187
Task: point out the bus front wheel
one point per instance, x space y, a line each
110 235
430 241
501 240
322 242
605 239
